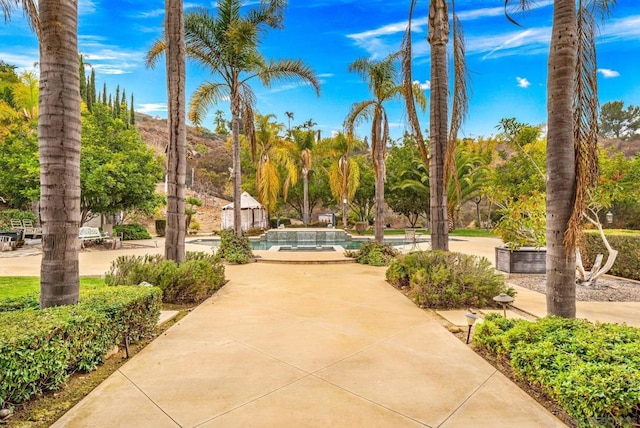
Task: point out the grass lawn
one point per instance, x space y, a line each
18 286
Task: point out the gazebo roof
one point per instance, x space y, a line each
247 202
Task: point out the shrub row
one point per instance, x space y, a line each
591 370
439 279
7 215
374 254
131 232
40 348
192 281
627 263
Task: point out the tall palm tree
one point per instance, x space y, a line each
440 155
382 80
59 140
344 172
290 118
303 146
572 102
273 153
174 247
227 45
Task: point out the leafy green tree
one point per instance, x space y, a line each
618 122
19 166
304 142
118 171
364 199
227 45
319 192
221 124
407 190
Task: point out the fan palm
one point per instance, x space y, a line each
227 45
572 168
440 155
382 79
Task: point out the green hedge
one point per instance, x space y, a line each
40 348
591 370
441 279
131 232
192 281
7 215
627 263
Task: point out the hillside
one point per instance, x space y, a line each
207 166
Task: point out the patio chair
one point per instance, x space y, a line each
30 229
5 243
16 224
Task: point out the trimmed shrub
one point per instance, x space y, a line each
192 281
234 249
374 254
30 301
591 370
440 279
627 263
131 232
40 348
273 222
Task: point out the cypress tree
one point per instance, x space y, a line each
110 104
132 113
83 80
91 91
124 110
116 104
104 93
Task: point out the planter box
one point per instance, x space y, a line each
524 260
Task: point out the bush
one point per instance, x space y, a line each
234 249
131 232
192 281
374 254
40 348
591 370
7 215
627 263
440 279
273 222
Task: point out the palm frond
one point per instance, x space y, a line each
460 98
358 113
288 70
585 121
155 52
205 96
29 10
406 51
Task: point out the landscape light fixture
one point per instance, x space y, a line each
471 319
504 299
609 217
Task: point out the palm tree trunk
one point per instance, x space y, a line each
237 177
59 140
561 262
305 191
174 248
378 224
438 38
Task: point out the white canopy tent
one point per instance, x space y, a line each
253 214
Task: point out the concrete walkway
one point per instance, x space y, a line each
307 346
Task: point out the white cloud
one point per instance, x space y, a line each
424 86
24 61
151 108
86 7
523 82
607 73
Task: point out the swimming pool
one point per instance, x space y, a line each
256 244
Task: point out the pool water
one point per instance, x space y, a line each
266 245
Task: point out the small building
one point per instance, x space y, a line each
253 214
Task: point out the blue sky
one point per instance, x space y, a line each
507 64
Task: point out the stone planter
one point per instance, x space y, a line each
525 260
